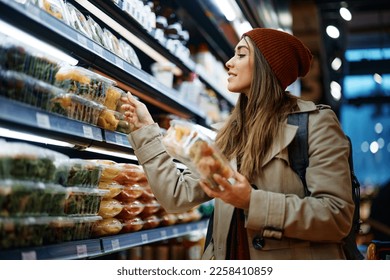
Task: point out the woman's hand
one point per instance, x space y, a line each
135 112
237 194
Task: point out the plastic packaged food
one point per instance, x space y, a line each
82 173
109 119
96 30
130 193
132 225
129 53
54 7
168 219
23 88
22 161
131 210
113 189
185 142
147 194
151 207
108 226
18 57
63 229
83 201
111 42
26 198
110 208
113 95
81 81
131 174
151 222
76 107
78 21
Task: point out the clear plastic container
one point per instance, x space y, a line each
81 173
129 53
114 189
22 161
105 227
23 88
83 201
131 210
187 143
132 225
18 57
78 21
110 208
130 193
63 229
152 221
151 207
76 107
25 198
109 119
96 30
132 174
55 8
113 95
81 81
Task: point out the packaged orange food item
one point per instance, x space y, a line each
189 144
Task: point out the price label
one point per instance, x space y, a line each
30 255
163 233
188 227
118 139
144 238
82 39
98 49
175 231
115 244
81 250
87 131
119 62
43 120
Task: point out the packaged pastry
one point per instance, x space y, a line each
130 193
110 169
109 119
132 225
75 107
113 95
83 201
111 42
108 226
129 54
54 7
147 194
152 221
151 207
22 161
19 57
26 89
131 174
168 219
113 188
110 208
26 198
131 209
187 143
81 81
78 21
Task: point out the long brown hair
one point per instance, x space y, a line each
255 121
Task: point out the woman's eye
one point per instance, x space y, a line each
240 55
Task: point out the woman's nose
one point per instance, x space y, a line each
228 63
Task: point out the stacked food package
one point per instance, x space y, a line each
187 143
28 76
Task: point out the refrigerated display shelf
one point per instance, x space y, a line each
42 25
90 248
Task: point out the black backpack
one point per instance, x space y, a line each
299 160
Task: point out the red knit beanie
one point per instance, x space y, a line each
287 56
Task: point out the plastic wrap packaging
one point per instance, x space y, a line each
131 209
81 173
78 21
132 174
105 227
96 30
132 225
151 221
55 8
83 201
25 198
130 193
83 82
129 53
21 58
188 144
110 208
109 119
113 95
22 161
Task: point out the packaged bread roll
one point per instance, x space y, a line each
109 208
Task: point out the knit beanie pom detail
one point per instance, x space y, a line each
287 56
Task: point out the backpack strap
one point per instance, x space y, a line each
298 149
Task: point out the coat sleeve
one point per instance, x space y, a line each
176 190
326 215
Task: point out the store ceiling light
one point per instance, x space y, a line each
35 43
336 63
332 31
227 9
345 14
378 78
335 90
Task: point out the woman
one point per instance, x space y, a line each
264 214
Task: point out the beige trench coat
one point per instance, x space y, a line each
281 222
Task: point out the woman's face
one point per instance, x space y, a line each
240 68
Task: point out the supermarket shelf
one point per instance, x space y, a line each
125 20
49 29
100 246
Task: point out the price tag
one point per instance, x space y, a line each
115 244
98 49
43 120
82 39
175 231
119 62
30 255
188 227
118 139
163 233
87 130
144 237
81 250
